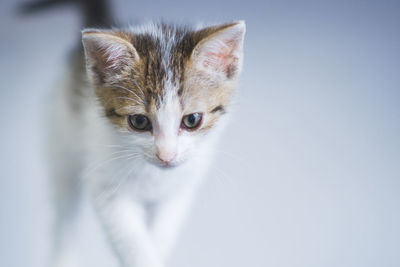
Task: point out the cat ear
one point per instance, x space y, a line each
220 49
107 54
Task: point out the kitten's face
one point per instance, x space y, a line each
165 88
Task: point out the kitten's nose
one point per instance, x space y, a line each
166 156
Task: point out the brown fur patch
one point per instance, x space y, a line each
138 87
218 108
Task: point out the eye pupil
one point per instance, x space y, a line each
140 120
192 119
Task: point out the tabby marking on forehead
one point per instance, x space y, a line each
164 50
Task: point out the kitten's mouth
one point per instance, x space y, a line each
165 165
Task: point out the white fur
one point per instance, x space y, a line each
123 189
140 205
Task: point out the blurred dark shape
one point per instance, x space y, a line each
96 13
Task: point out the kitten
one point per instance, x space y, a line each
139 134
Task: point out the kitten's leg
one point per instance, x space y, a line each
124 222
66 199
167 219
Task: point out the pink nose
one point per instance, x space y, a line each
166 156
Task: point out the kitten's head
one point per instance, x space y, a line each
165 86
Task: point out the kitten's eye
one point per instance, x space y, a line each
192 121
139 122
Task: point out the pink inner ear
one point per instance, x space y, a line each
221 55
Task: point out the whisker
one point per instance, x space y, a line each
237 158
139 87
129 90
129 98
103 162
114 189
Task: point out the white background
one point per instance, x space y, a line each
309 173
